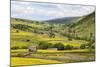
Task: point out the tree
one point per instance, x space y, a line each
93 46
91 35
27 40
50 45
45 45
68 47
24 47
51 34
59 46
74 33
14 47
70 39
83 46
17 31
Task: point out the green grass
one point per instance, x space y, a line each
51 57
52 51
19 39
17 61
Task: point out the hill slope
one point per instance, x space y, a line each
85 26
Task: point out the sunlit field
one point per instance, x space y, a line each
17 61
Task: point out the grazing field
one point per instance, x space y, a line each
50 57
21 37
51 51
19 61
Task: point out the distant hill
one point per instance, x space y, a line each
66 20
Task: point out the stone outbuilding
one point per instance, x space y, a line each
32 48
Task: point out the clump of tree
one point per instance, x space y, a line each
14 47
17 31
68 47
50 45
51 33
59 46
93 46
22 27
83 46
89 46
24 47
45 45
27 40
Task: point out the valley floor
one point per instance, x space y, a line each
44 57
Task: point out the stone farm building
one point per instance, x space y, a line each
32 48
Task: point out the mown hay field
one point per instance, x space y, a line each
19 61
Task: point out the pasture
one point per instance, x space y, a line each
50 57
19 61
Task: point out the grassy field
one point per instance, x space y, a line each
51 51
18 39
18 61
50 57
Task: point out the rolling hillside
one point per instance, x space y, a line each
85 25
